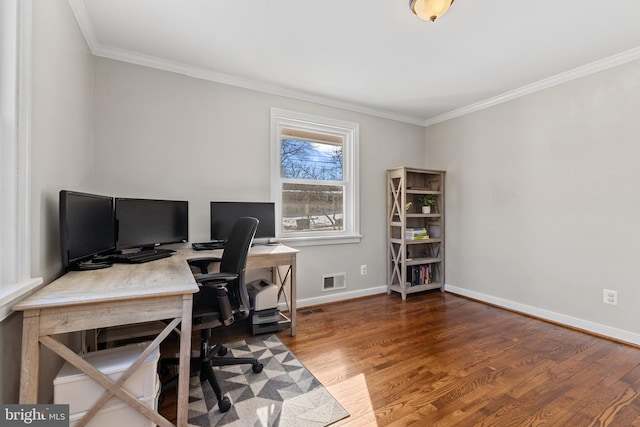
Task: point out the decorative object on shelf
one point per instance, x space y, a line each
408 206
430 10
427 202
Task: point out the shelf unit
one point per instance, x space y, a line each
415 264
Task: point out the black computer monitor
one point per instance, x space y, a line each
146 223
86 229
225 214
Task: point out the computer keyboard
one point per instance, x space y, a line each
207 246
141 256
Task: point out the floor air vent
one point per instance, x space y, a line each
334 281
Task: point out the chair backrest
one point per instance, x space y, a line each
234 260
236 249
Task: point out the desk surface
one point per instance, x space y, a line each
256 253
168 276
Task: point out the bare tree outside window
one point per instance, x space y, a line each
310 160
312 198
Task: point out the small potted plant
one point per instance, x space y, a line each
427 201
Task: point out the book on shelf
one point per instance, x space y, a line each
416 234
419 275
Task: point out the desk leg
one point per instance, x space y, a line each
185 361
294 296
30 365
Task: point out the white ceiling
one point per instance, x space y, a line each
370 56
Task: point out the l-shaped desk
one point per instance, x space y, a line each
127 294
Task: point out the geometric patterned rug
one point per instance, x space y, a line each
284 394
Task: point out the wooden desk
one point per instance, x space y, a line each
271 257
122 294
126 294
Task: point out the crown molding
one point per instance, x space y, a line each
213 76
576 73
80 12
82 17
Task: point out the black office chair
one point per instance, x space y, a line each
223 298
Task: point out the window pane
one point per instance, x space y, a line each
312 208
314 178
310 160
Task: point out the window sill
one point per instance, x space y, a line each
10 295
319 240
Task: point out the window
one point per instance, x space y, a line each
314 178
15 79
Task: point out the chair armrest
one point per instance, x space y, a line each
215 278
203 263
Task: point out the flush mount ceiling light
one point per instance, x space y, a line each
430 9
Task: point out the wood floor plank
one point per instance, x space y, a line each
441 360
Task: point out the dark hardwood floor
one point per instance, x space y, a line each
442 360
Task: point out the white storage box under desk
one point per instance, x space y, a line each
120 414
78 390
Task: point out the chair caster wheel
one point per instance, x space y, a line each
222 351
257 367
225 404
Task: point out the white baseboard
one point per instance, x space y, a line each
563 319
339 296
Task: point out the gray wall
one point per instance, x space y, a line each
62 157
543 201
159 134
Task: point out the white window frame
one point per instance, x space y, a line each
15 132
349 132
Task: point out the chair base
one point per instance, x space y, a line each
209 357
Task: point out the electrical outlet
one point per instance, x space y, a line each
363 269
610 297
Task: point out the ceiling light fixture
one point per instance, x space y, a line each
430 9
